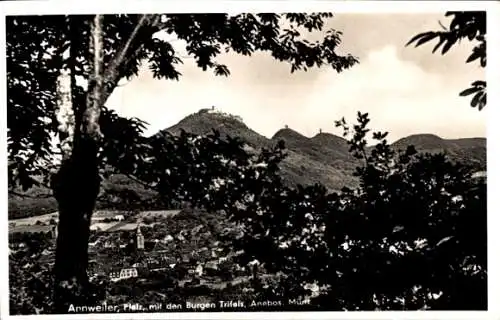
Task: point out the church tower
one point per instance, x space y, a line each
139 238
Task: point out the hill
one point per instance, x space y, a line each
205 121
324 159
467 150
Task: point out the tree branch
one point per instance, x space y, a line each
442 26
90 125
127 52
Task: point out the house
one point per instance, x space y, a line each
109 244
124 273
119 217
167 259
197 271
128 273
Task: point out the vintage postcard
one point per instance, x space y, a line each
254 159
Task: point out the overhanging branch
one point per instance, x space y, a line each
131 46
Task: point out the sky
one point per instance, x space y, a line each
406 90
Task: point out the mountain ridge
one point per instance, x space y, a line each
323 158
200 123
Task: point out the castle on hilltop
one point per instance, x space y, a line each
208 110
218 112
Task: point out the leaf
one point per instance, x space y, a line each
469 91
479 83
447 46
482 101
483 62
479 100
475 55
422 38
441 41
221 70
476 99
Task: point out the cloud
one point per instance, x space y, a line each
398 86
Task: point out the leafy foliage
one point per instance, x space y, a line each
412 236
95 53
470 25
35 55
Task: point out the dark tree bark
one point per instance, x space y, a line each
75 187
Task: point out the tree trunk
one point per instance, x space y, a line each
75 187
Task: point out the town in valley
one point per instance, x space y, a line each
156 252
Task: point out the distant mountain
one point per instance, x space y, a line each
205 121
467 150
294 138
324 158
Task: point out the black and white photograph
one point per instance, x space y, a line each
255 161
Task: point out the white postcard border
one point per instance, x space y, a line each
196 6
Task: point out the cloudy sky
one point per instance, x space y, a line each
406 90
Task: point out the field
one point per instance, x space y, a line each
99 220
44 218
